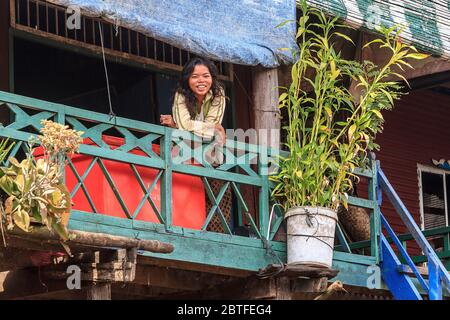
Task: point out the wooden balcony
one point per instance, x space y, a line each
148 146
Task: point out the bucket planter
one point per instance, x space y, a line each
330 130
310 236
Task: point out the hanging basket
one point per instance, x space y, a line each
356 222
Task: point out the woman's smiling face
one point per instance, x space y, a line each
200 81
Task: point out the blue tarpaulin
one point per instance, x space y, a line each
236 31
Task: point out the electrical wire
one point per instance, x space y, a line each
111 111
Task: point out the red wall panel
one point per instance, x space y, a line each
416 131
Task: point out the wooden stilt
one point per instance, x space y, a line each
265 106
99 291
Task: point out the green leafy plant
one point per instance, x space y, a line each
329 130
34 188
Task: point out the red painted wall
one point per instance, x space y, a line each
415 131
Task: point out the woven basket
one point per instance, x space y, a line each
356 222
215 225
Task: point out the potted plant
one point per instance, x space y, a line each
33 190
330 130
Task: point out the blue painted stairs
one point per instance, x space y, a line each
399 277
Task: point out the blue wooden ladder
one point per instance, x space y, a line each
397 276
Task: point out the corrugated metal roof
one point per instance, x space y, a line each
427 21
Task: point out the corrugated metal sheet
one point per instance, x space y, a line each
427 21
416 131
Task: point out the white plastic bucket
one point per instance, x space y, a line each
310 236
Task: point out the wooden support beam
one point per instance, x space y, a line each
99 291
424 67
177 279
190 266
253 288
265 106
131 291
105 266
92 239
295 271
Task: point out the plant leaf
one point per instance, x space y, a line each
22 219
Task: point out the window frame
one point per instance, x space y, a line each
424 168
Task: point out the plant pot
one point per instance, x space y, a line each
310 236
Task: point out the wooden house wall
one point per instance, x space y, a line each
4 48
4 54
242 82
415 131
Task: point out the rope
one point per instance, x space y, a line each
312 236
270 251
309 221
111 112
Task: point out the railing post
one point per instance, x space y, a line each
375 223
166 179
434 279
61 117
263 172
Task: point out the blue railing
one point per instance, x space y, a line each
438 276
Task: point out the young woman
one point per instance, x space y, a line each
199 101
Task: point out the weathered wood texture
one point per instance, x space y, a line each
101 266
4 45
99 291
4 55
190 266
14 258
265 105
275 288
242 81
27 282
295 271
94 239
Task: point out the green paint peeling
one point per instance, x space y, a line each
375 13
419 16
423 26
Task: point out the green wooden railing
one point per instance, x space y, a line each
170 153
372 205
244 164
443 253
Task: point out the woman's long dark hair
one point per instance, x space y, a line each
183 85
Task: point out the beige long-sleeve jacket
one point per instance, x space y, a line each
203 125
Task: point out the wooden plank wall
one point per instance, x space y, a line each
4 45
416 131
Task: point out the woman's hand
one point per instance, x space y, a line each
167 120
220 133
